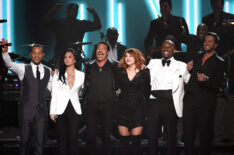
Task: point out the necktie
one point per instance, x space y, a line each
38 73
164 61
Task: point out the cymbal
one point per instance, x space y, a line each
33 44
82 43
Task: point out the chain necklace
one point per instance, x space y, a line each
100 69
69 77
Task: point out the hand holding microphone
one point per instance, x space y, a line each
4 45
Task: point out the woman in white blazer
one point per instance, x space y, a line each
65 108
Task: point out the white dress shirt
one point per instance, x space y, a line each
164 78
177 76
19 68
112 56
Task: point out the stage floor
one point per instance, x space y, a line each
9 145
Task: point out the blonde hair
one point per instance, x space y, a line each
139 58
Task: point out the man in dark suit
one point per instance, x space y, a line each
33 113
207 72
116 49
163 26
220 22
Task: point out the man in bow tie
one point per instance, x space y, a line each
166 101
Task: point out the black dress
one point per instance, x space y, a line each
132 104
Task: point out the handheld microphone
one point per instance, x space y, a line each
182 26
102 35
3 20
7 44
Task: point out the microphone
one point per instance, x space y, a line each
102 35
7 44
3 20
182 26
229 21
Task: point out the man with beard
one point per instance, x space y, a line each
220 22
166 102
99 94
163 26
69 30
32 111
207 72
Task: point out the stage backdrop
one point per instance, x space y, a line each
131 17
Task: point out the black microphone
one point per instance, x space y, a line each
102 35
3 20
182 26
7 44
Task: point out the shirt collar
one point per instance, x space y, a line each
172 58
35 66
114 46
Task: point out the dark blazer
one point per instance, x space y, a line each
120 51
87 78
159 33
214 69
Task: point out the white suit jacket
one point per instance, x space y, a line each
61 93
180 76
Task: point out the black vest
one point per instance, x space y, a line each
33 96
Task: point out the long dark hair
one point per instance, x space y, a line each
63 67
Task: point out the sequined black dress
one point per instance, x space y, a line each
132 105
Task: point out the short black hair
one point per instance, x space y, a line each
112 30
72 6
102 42
212 1
167 1
38 45
216 37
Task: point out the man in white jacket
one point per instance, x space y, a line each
166 101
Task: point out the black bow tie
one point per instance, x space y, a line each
164 61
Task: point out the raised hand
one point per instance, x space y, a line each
4 46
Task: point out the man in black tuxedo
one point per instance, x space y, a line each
207 73
116 49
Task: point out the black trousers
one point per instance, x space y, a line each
99 113
161 111
32 127
197 119
68 125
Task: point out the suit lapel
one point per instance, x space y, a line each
175 67
76 81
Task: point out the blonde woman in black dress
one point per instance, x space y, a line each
134 84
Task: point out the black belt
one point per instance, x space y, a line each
162 94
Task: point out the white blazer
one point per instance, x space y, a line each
180 76
61 93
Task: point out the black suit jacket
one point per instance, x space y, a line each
214 69
159 33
